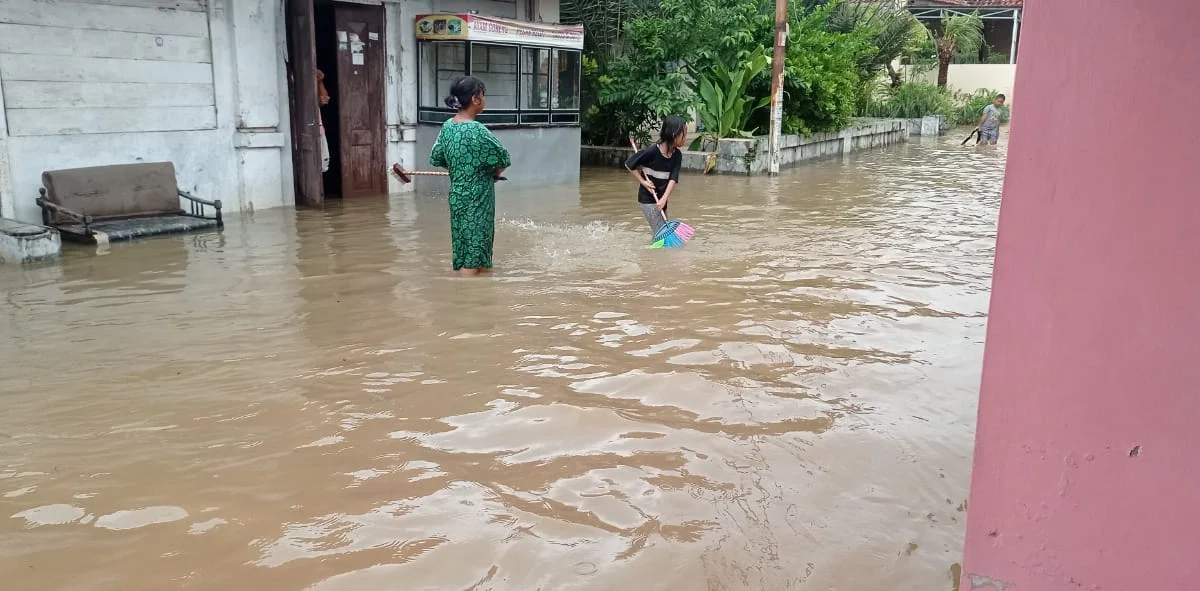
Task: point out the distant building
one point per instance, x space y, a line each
1001 20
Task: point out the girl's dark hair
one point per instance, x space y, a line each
462 90
671 128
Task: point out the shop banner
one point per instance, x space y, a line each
473 27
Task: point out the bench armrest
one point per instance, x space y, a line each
216 204
49 208
199 204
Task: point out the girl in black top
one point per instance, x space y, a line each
656 169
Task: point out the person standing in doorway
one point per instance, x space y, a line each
323 99
989 123
475 159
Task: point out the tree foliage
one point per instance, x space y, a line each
958 34
641 83
821 75
892 29
651 58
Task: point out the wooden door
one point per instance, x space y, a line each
360 90
306 131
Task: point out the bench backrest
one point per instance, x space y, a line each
117 191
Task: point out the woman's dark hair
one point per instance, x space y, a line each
463 90
671 128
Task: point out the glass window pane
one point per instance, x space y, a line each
535 79
441 62
496 66
566 79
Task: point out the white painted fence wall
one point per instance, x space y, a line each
972 77
196 82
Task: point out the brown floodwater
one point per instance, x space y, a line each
312 401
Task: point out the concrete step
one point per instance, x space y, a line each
27 243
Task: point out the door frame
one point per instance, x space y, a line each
305 108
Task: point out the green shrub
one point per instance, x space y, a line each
650 68
633 91
724 108
912 100
821 82
969 107
629 87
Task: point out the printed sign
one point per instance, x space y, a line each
473 27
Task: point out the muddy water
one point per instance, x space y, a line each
311 401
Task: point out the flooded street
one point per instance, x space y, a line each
313 401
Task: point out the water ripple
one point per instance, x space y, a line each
309 400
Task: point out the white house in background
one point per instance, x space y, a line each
1001 32
209 85
1001 20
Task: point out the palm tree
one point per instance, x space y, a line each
961 33
892 29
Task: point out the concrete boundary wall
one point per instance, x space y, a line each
748 156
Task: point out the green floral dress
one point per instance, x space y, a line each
472 155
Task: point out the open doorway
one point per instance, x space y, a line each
346 42
326 39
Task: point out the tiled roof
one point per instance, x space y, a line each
967 3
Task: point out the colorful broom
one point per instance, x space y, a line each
673 233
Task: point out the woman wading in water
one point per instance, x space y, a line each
475 160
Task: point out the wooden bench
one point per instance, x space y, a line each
121 202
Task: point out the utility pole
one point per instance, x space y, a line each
781 33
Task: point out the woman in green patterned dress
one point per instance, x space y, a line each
475 160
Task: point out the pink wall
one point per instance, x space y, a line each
1095 316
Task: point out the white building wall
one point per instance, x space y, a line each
972 77
402 66
96 82
201 83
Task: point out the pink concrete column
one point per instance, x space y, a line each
1087 456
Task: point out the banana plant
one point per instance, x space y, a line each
725 109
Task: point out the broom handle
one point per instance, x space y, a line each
439 173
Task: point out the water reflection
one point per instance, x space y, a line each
311 401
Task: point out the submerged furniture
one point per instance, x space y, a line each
121 202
